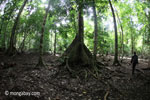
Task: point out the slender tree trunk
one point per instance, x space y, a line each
3 34
55 42
11 49
132 44
148 40
51 35
1 27
149 58
122 39
29 46
23 42
40 62
21 47
143 43
116 62
4 41
95 30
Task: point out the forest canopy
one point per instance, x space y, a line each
132 18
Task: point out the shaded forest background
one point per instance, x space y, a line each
61 26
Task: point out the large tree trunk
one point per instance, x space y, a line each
81 23
116 62
95 31
77 53
40 62
11 49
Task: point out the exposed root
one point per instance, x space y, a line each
40 63
78 54
67 66
116 63
105 97
11 51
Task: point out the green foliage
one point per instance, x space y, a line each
62 19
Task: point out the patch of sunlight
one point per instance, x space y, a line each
58 25
32 41
64 22
39 34
147 10
109 24
139 42
140 26
44 4
43 0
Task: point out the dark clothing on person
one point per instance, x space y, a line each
134 62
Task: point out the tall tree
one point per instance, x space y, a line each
22 45
149 56
55 41
148 33
132 43
116 62
95 30
40 62
77 53
132 36
122 37
11 49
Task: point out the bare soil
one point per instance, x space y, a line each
55 82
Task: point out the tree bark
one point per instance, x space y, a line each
95 30
132 44
77 53
21 47
122 39
81 23
3 36
149 57
55 41
4 39
40 62
11 49
1 27
116 62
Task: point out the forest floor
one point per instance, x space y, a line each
20 80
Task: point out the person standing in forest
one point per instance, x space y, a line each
134 62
